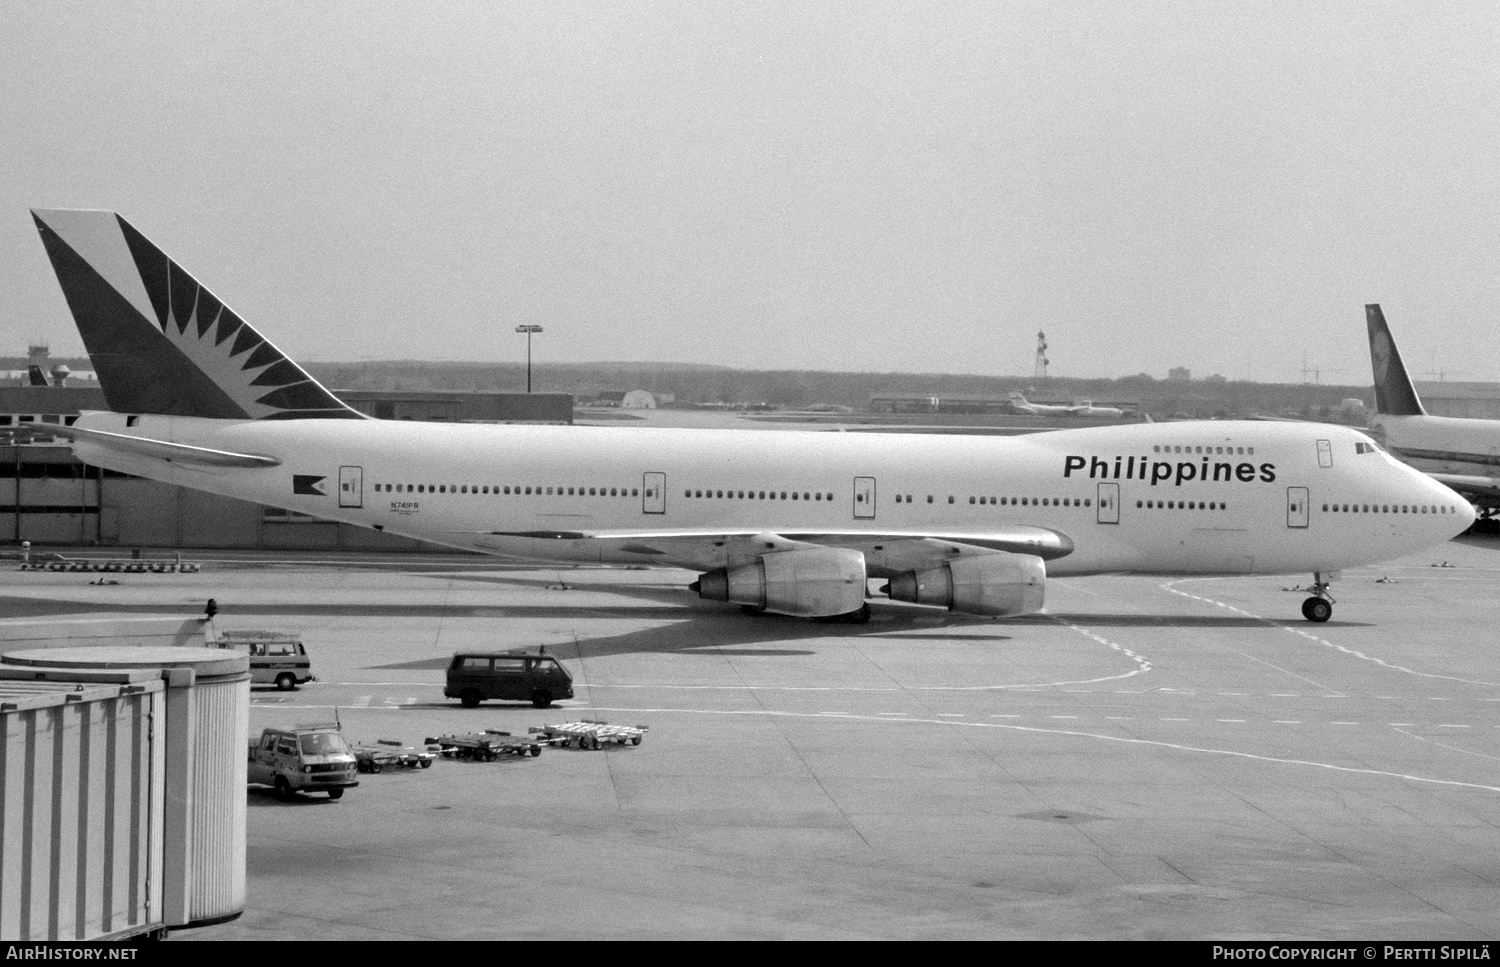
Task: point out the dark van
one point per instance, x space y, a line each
517 676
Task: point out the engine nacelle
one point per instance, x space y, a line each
814 582
1001 585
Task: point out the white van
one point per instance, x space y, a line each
276 657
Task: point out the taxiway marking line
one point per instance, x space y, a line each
1292 629
1100 737
404 704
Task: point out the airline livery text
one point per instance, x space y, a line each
1163 471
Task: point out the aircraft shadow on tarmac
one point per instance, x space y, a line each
1484 539
691 625
1191 621
729 624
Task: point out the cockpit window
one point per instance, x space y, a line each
1367 446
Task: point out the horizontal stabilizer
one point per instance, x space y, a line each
143 446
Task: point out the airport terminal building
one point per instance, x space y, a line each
48 497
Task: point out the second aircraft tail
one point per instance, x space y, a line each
1394 393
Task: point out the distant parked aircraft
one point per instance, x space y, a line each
1462 453
1081 408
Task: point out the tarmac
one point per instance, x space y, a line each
1152 758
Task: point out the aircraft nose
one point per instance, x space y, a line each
1466 513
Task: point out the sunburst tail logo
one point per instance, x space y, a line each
160 341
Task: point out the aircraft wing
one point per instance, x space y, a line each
142 446
885 553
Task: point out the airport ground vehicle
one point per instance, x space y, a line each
486 746
276 657
588 734
387 752
308 758
517 675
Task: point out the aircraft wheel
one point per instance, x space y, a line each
1317 609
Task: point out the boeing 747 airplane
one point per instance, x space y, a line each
1462 453
793 523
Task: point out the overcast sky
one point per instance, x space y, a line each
913 186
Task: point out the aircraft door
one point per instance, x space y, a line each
864 498
1296 506
351 487
654 493
1325 453
1109 503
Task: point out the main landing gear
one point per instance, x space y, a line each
1319 607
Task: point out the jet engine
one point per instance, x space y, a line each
1002 585
812 582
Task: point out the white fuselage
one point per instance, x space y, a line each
1178 498
1443 445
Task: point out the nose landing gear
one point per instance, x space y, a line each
1319 607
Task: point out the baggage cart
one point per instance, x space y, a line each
486 746
589 734
388 752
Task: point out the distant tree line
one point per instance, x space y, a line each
719 386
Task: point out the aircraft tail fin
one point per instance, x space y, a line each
161 342
1394 393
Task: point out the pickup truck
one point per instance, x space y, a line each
304 759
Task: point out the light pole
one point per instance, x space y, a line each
528 330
